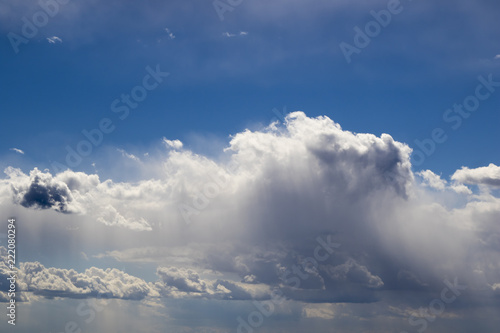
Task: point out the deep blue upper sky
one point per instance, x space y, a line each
427 59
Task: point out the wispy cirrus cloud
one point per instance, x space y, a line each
129 156
170 33
229 35
17 150
54 40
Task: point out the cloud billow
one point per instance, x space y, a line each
295 182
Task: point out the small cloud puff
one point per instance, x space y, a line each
170 34
430 179
54 40
229 35
19 151
127 155
175 144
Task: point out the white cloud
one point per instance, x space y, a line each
54 40
74 192
432 180
229 35
489 175
497 56
170 34
127 155
176 144
461 188
35 278
17 150
52 282
353 272
323 311
294 182
184 280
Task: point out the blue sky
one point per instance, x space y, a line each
400 84
121 212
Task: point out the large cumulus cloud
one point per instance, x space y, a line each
316 154
255 217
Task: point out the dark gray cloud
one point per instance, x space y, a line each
74 192
41 194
